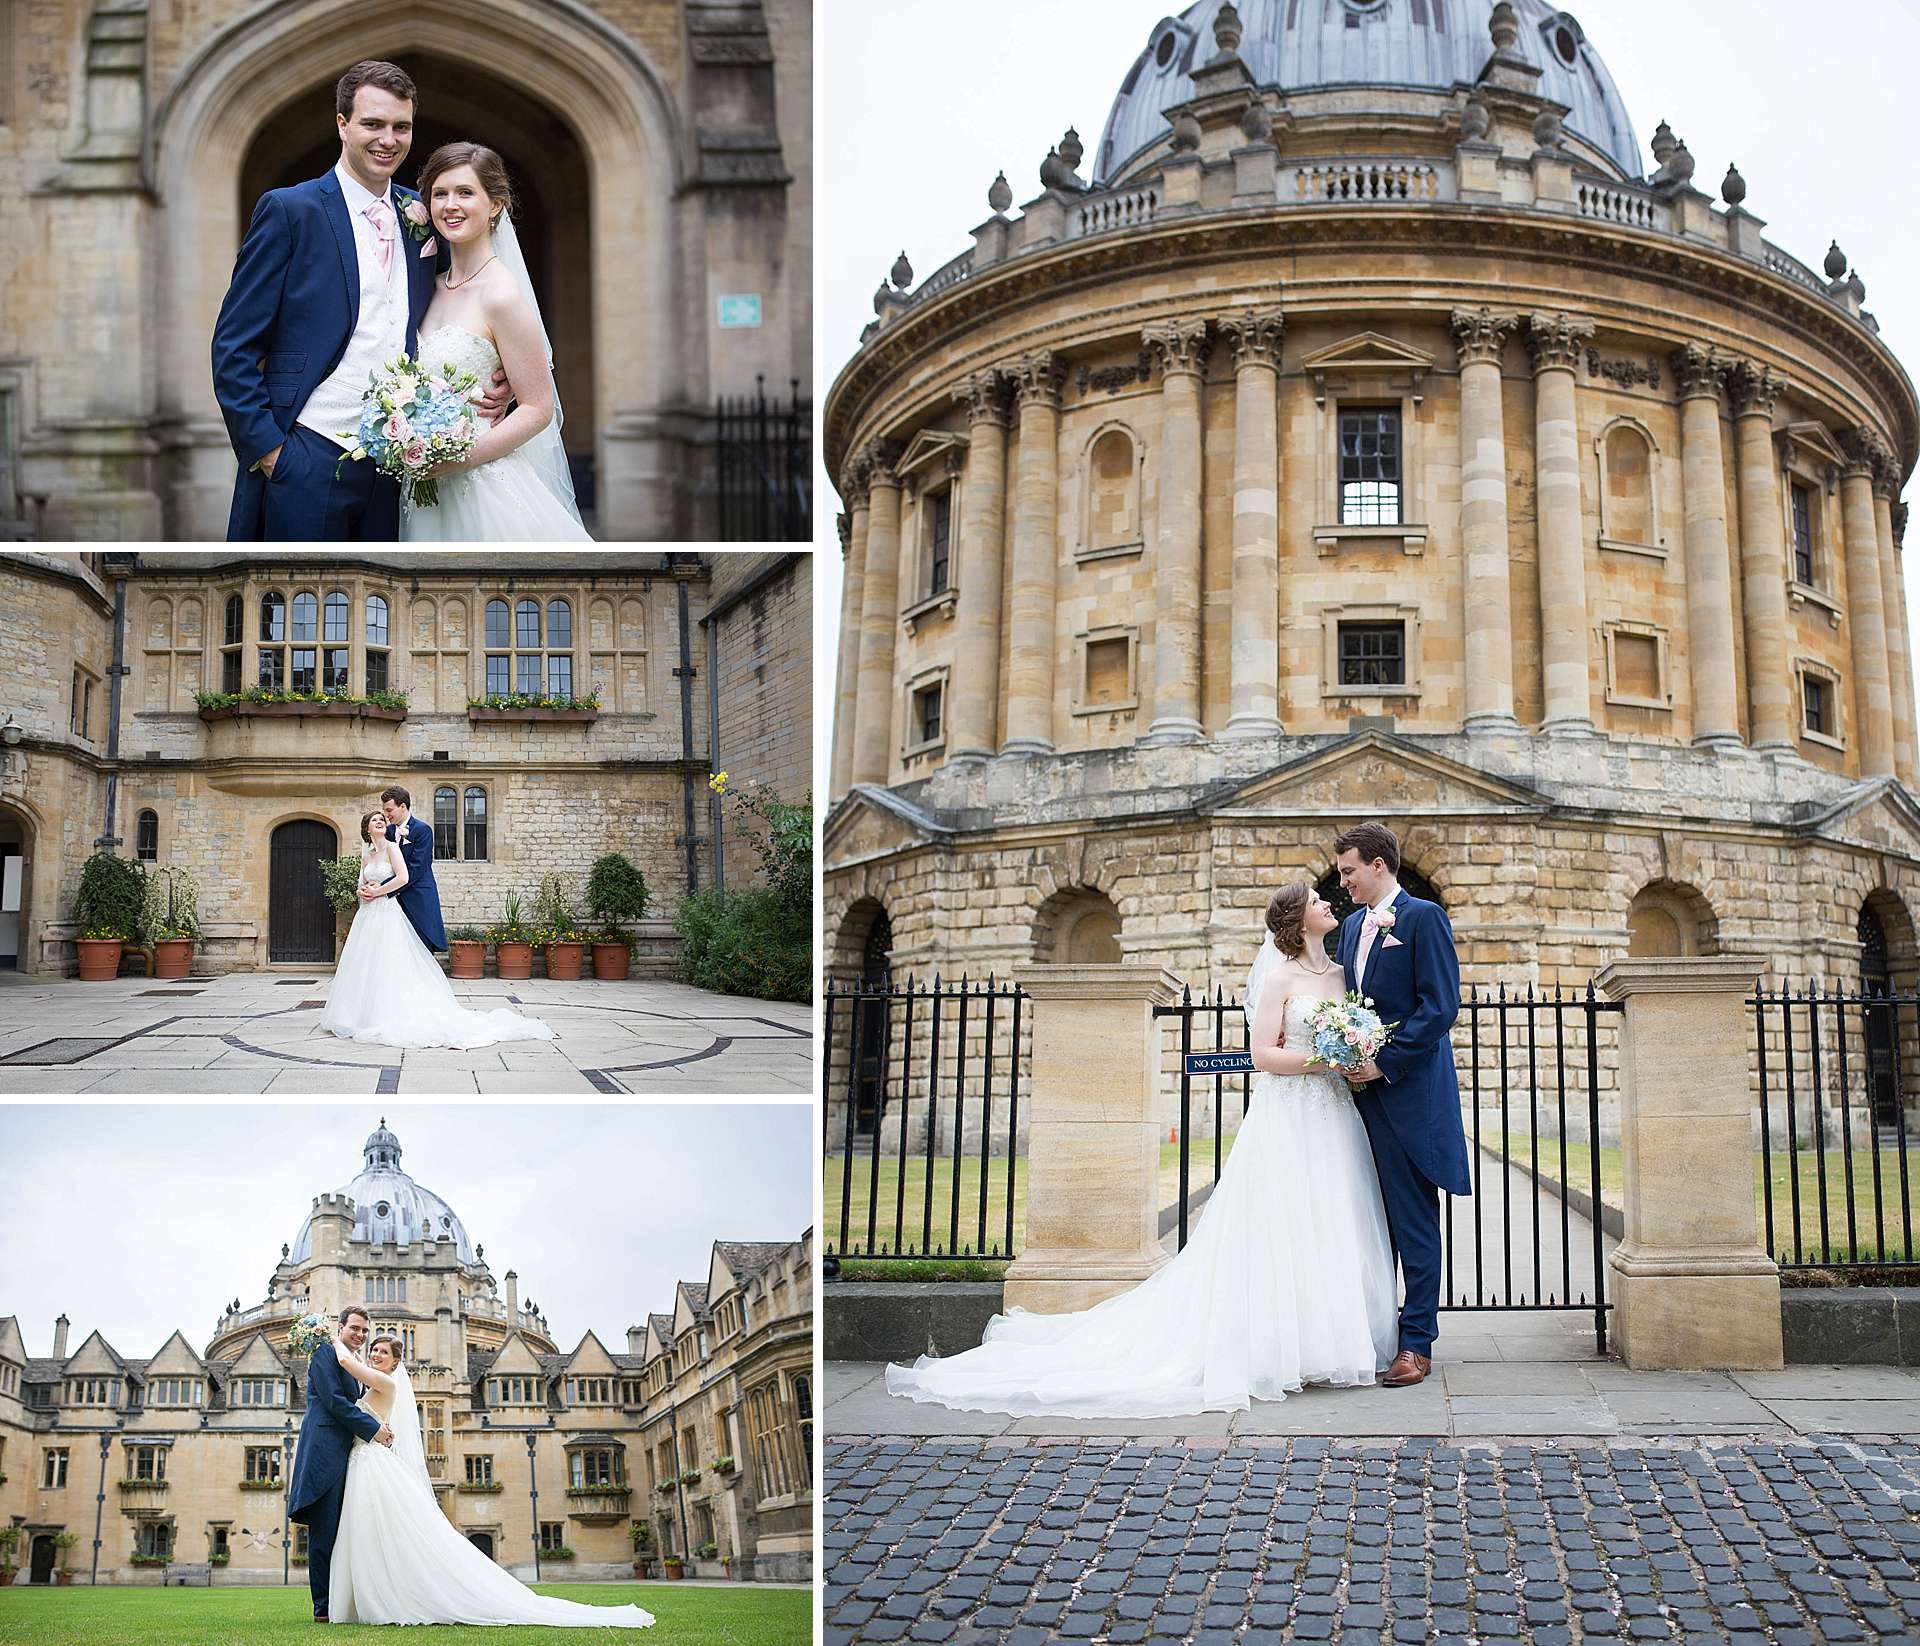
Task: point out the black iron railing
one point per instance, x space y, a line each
922 1119
1836 1175
763 455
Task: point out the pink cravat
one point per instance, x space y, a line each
1369 927
381 219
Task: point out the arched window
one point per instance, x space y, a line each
559 648
499 639
232 636
377 674
273 631
476 833
1629 496
306 618
1667 920
1113 494
146 837
1410 879
446 821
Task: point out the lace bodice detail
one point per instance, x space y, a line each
1317 1086
461 349
375 869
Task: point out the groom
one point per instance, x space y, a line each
331 284
420 898
327 1433
1399 951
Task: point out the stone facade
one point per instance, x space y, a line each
725 1376
212 792
1635 555
661 152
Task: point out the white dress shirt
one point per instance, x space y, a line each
381 334
1364 952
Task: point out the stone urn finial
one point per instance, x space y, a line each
1547 130
881 296
1186 133
1662 143
1857 286
1000 195
1504 26
1256 123
1836 263
1072 150
1227 29
902 271
1476 119
1680 164
1733 187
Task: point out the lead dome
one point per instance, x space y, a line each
389 1208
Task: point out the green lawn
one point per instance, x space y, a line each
1579 1168
685 1614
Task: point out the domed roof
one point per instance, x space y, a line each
1423 45
389 1207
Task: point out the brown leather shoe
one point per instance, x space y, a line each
1407 1368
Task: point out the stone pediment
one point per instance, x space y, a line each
13 1346
176 1355
590 1355
870 822
1373 774
922 461
1879 813
95 1355
259 1360
1369 353
1814 446
515 1356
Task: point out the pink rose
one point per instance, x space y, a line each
415 453
416 214
396 427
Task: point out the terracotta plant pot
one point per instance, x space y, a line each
99 958
675 1569
468 959
563 960
610 962
173 958
513 960
643 1568
63 1579
6 1575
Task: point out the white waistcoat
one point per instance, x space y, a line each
333 409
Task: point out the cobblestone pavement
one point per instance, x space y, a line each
971 1540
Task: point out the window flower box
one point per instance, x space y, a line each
260 1485
560 709
690 1477
149 1560
258 700
561 1553
479 1486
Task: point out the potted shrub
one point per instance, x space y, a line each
553 913
512 944
9 1541
340 881
170 920
617 891
467 952
63 1542
724 1466
642 1537
112 894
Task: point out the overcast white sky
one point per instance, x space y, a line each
138 1220
922 102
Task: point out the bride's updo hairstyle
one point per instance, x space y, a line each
366 833
1286 915
487 166
392 1343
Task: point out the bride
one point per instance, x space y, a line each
398 1558
514 485
388 988
1288 1279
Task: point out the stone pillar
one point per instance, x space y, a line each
1866 609
1255 680
1692 1285
973 710
1093 1144
1716 716
1181 348
879 617
1037 379
1763 561
1886 487
1487 627
1555 342
853 556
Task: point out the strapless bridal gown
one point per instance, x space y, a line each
500 502
1287 1280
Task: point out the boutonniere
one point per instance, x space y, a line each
403 835
1383 920
414 214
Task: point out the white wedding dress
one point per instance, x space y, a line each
389 989
1288 1279
504 501
398 1559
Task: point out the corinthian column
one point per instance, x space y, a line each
1886 486
1763 559
1255 693
973 712
1181 348
1555 341
853 551
1716 717
1037 380
879 616
1481 336
1866 608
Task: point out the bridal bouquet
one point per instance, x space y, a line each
1346 1033
411 419
308 1333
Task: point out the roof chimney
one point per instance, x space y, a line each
636 1340
60 1338
513 1301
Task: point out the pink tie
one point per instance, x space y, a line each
379 217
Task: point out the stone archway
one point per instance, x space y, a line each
1077 926
1670 920
41 1568
224 117
460 101
483 1541
16 885
300 920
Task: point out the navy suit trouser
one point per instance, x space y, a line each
314 497
323 1529
1413 1220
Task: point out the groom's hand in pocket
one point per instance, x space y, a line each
494 400
385 1436
265 465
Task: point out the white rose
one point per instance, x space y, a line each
1383 920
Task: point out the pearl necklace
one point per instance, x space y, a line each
453 285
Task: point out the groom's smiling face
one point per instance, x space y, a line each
375 138
395 812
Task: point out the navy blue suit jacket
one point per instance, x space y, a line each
288 316
419 899
327 1431
1416 985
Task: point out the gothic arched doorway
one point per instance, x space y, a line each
43 1556
870 1055
1412 881
16 867
300 920
1883 1052
460 101
483 1541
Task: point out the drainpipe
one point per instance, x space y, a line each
716 804
685 676
108 839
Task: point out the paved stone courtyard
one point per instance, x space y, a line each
258 1032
